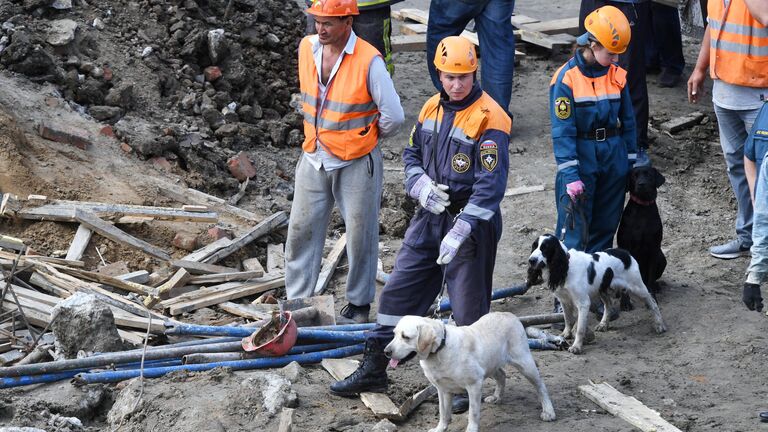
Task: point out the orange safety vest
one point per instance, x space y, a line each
738 45
347 123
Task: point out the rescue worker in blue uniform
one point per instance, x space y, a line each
456 166
593 134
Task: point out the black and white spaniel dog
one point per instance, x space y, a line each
578 277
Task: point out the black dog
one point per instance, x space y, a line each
640 231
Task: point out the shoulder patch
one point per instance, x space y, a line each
460 163
489 155
562 108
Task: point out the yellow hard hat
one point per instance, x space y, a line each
456 54
609 26
337 8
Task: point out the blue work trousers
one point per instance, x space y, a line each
415 281
590 223
664 43
495 34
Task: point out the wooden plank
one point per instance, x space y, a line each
379 403
79 243
522 190
245 311
563 25
180 278
115 234
263 228
226 277
408 43
413 28
60 261
417 15
139 277
275 257
286 420
414 401
108 280
207 250
200 293
253 288
252 264
184 195
195 208
395 14
549 42
626 407
198 268
334 256
12 243
64 211
520 20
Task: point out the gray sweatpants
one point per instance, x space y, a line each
356 189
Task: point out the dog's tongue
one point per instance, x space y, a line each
393 363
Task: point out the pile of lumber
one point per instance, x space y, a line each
551 35
32 285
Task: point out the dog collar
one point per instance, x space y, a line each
641 202
442 342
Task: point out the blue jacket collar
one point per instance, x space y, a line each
594 70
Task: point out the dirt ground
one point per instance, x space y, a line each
706 373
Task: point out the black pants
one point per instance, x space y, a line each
374 26
633 60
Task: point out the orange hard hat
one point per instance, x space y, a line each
456 54
609 26
336 8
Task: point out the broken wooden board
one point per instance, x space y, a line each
379 403
626 407
334 256
414 401
263 228
226 277
12 243
520 20
115 234
207 250
286 420
684 122
254 287
79 243
139 277
522 190
179 279
245 311
408 43
252 264
64 211
550 42
563 25
107 280
413 28
183 194
275 257
198 268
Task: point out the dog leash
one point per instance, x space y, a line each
444 270
572 210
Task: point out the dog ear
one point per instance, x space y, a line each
535 245
558 267
659 178
425 340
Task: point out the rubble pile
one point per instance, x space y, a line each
175 78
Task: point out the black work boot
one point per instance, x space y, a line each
460 403
371 376
763 416
351 314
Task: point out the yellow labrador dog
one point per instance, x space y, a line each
458 359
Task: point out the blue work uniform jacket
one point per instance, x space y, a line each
463 145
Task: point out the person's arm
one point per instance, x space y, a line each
564 132
759 10
696 81
490 182
412 158
750 171
383 93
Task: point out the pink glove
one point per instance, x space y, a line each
574 189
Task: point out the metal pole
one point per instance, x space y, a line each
445 304
303 332
198 358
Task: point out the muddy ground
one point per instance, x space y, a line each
706 373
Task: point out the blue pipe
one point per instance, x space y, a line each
303 333
53 377
445 304
261 363
344 327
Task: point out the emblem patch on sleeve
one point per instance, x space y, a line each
562 108
489 155
460 163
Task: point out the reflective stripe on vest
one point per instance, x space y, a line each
346 124
738 45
